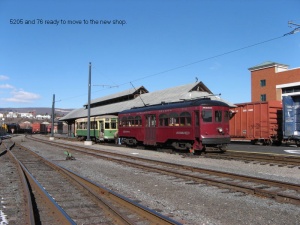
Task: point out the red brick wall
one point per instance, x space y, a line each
272 79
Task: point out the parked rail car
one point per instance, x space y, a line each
13 128
185 126
3 130
45 128
291 119
258 122
4 127
102 128
36 128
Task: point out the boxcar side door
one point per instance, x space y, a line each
150 130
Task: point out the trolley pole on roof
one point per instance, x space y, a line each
297 29
88 139
52 125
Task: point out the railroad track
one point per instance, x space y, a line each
12 180
261 158
289 161
278 190
63 197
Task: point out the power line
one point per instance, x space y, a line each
205 59
212 57
297 29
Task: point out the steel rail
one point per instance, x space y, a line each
263 158
282 160
29 212
96 189
174 165
282 197
250 189
104 195
60 215
118 218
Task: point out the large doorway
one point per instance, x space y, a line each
150 130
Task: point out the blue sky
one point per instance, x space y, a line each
161 44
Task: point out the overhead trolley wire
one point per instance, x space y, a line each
201 60
211 57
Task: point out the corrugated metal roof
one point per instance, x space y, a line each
174 94
118 95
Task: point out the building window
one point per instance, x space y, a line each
290 89
263 97
262 83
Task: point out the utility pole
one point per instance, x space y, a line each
88 138
52 125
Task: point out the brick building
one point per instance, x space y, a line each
271 80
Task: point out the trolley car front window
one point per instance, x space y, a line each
207 115
218 116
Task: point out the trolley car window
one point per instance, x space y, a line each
174 119
113 124
151 121
101 126
130 121
163 120
197 118
138 121
107 125
207 115
226 116
218 116
123 121
94 125
185 119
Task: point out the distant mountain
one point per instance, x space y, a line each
37 110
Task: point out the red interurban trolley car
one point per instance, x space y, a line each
192 126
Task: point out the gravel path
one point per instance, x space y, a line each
186 203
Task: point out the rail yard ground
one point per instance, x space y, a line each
186 202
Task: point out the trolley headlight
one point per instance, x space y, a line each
220 130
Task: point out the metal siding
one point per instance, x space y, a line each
291 116
256 120
169 95
109 134
93 133
288 116
297 115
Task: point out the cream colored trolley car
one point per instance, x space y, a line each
102 128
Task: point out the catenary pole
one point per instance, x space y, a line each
89 104
52 125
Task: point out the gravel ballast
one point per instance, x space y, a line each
176 198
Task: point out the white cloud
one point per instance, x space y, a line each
6 86
22 97
2 77
16 95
